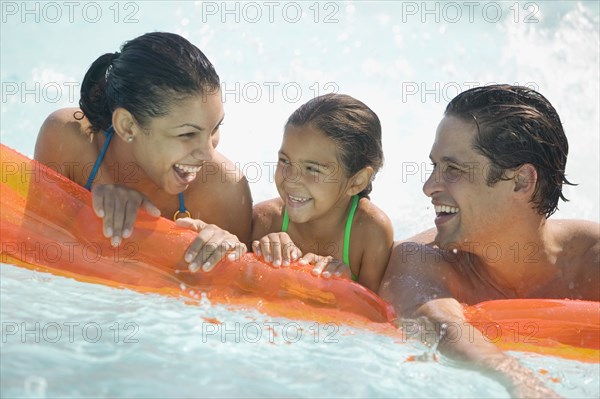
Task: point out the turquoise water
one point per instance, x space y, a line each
404 59
93 341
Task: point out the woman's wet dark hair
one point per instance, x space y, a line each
353 126
517 125
149 76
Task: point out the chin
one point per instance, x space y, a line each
445 242
172 189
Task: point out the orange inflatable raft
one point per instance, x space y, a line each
47 224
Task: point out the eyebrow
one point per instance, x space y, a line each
198 127
447 159
305 161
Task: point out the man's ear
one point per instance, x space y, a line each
125 124
360 180
525 179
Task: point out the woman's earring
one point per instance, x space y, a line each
129 139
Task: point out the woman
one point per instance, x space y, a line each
145 136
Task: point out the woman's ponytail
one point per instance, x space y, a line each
94 101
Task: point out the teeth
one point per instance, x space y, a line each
298 199
445 209
188 168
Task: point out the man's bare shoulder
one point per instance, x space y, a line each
420 258
417 273
424 237
579 241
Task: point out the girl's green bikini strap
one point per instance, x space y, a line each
347 231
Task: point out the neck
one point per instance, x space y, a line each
124 171
328 227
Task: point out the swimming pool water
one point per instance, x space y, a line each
171 349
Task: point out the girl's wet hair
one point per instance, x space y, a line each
353 126
517 125
149 76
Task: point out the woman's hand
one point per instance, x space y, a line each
326 266
118 207
210 246
277 249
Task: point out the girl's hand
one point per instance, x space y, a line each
277 248
326 266
212 244
118 207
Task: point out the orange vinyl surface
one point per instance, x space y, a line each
47 224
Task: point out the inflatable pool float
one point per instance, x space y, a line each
47 224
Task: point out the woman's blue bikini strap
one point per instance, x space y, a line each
108 133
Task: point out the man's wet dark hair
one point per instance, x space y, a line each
517 125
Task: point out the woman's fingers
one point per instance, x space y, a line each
118 220
189 223
150 207
118 207
210 246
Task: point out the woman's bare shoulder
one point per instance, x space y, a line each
63 139
222 170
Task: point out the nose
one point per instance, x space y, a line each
433 183
203 150
289 175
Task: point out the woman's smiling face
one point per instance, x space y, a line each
172 149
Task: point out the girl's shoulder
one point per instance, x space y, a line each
370 216
267 217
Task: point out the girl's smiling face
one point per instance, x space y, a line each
309 176
172 149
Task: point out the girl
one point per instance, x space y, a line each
330 153
145 136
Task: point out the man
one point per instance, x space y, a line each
499 161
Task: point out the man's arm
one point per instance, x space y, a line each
417 283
